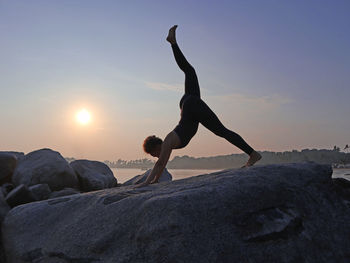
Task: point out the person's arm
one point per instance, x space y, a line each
167 147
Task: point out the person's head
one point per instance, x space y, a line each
152 145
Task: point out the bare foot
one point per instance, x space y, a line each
253 158
171 35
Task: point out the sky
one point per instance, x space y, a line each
275 72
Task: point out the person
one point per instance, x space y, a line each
193 111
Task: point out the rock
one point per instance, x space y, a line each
19 195
270 213
4 207
19 155
64 192
342 182
165 177
6 188
342 187
8 164
93 175
45 166
40 191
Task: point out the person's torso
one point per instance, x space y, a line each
188 124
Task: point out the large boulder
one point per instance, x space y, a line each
7 188
165 177
64 192
20 195
272 213
19 155
4 208
40 191
93 175
45 166
8 162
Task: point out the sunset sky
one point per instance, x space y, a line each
276 72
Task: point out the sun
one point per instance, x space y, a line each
83 117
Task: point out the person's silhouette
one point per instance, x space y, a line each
193 111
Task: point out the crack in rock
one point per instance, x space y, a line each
32 255
72 260
36 255
271 224
120 196
57 201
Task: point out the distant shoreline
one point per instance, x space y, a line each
334 157
203 168
136 168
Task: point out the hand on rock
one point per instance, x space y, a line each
154 181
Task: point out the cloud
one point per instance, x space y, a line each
165 86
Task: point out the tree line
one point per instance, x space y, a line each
325 156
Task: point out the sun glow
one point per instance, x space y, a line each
83 117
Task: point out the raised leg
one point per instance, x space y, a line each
191 80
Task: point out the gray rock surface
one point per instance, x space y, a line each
8 164
6 188
45 166
64 192
40 191
165 177
4 207
19 155
342 186
272 213
93 175
20 195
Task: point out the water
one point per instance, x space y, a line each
125 174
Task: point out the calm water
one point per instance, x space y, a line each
125 174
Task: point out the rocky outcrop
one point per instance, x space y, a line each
93 175
20 195
40 191
7 188
19 155
8 164
342 186
272 213
165 177
4 207
63 192
45 166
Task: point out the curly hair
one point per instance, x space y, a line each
150 143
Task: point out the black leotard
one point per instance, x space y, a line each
188 124
194 110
